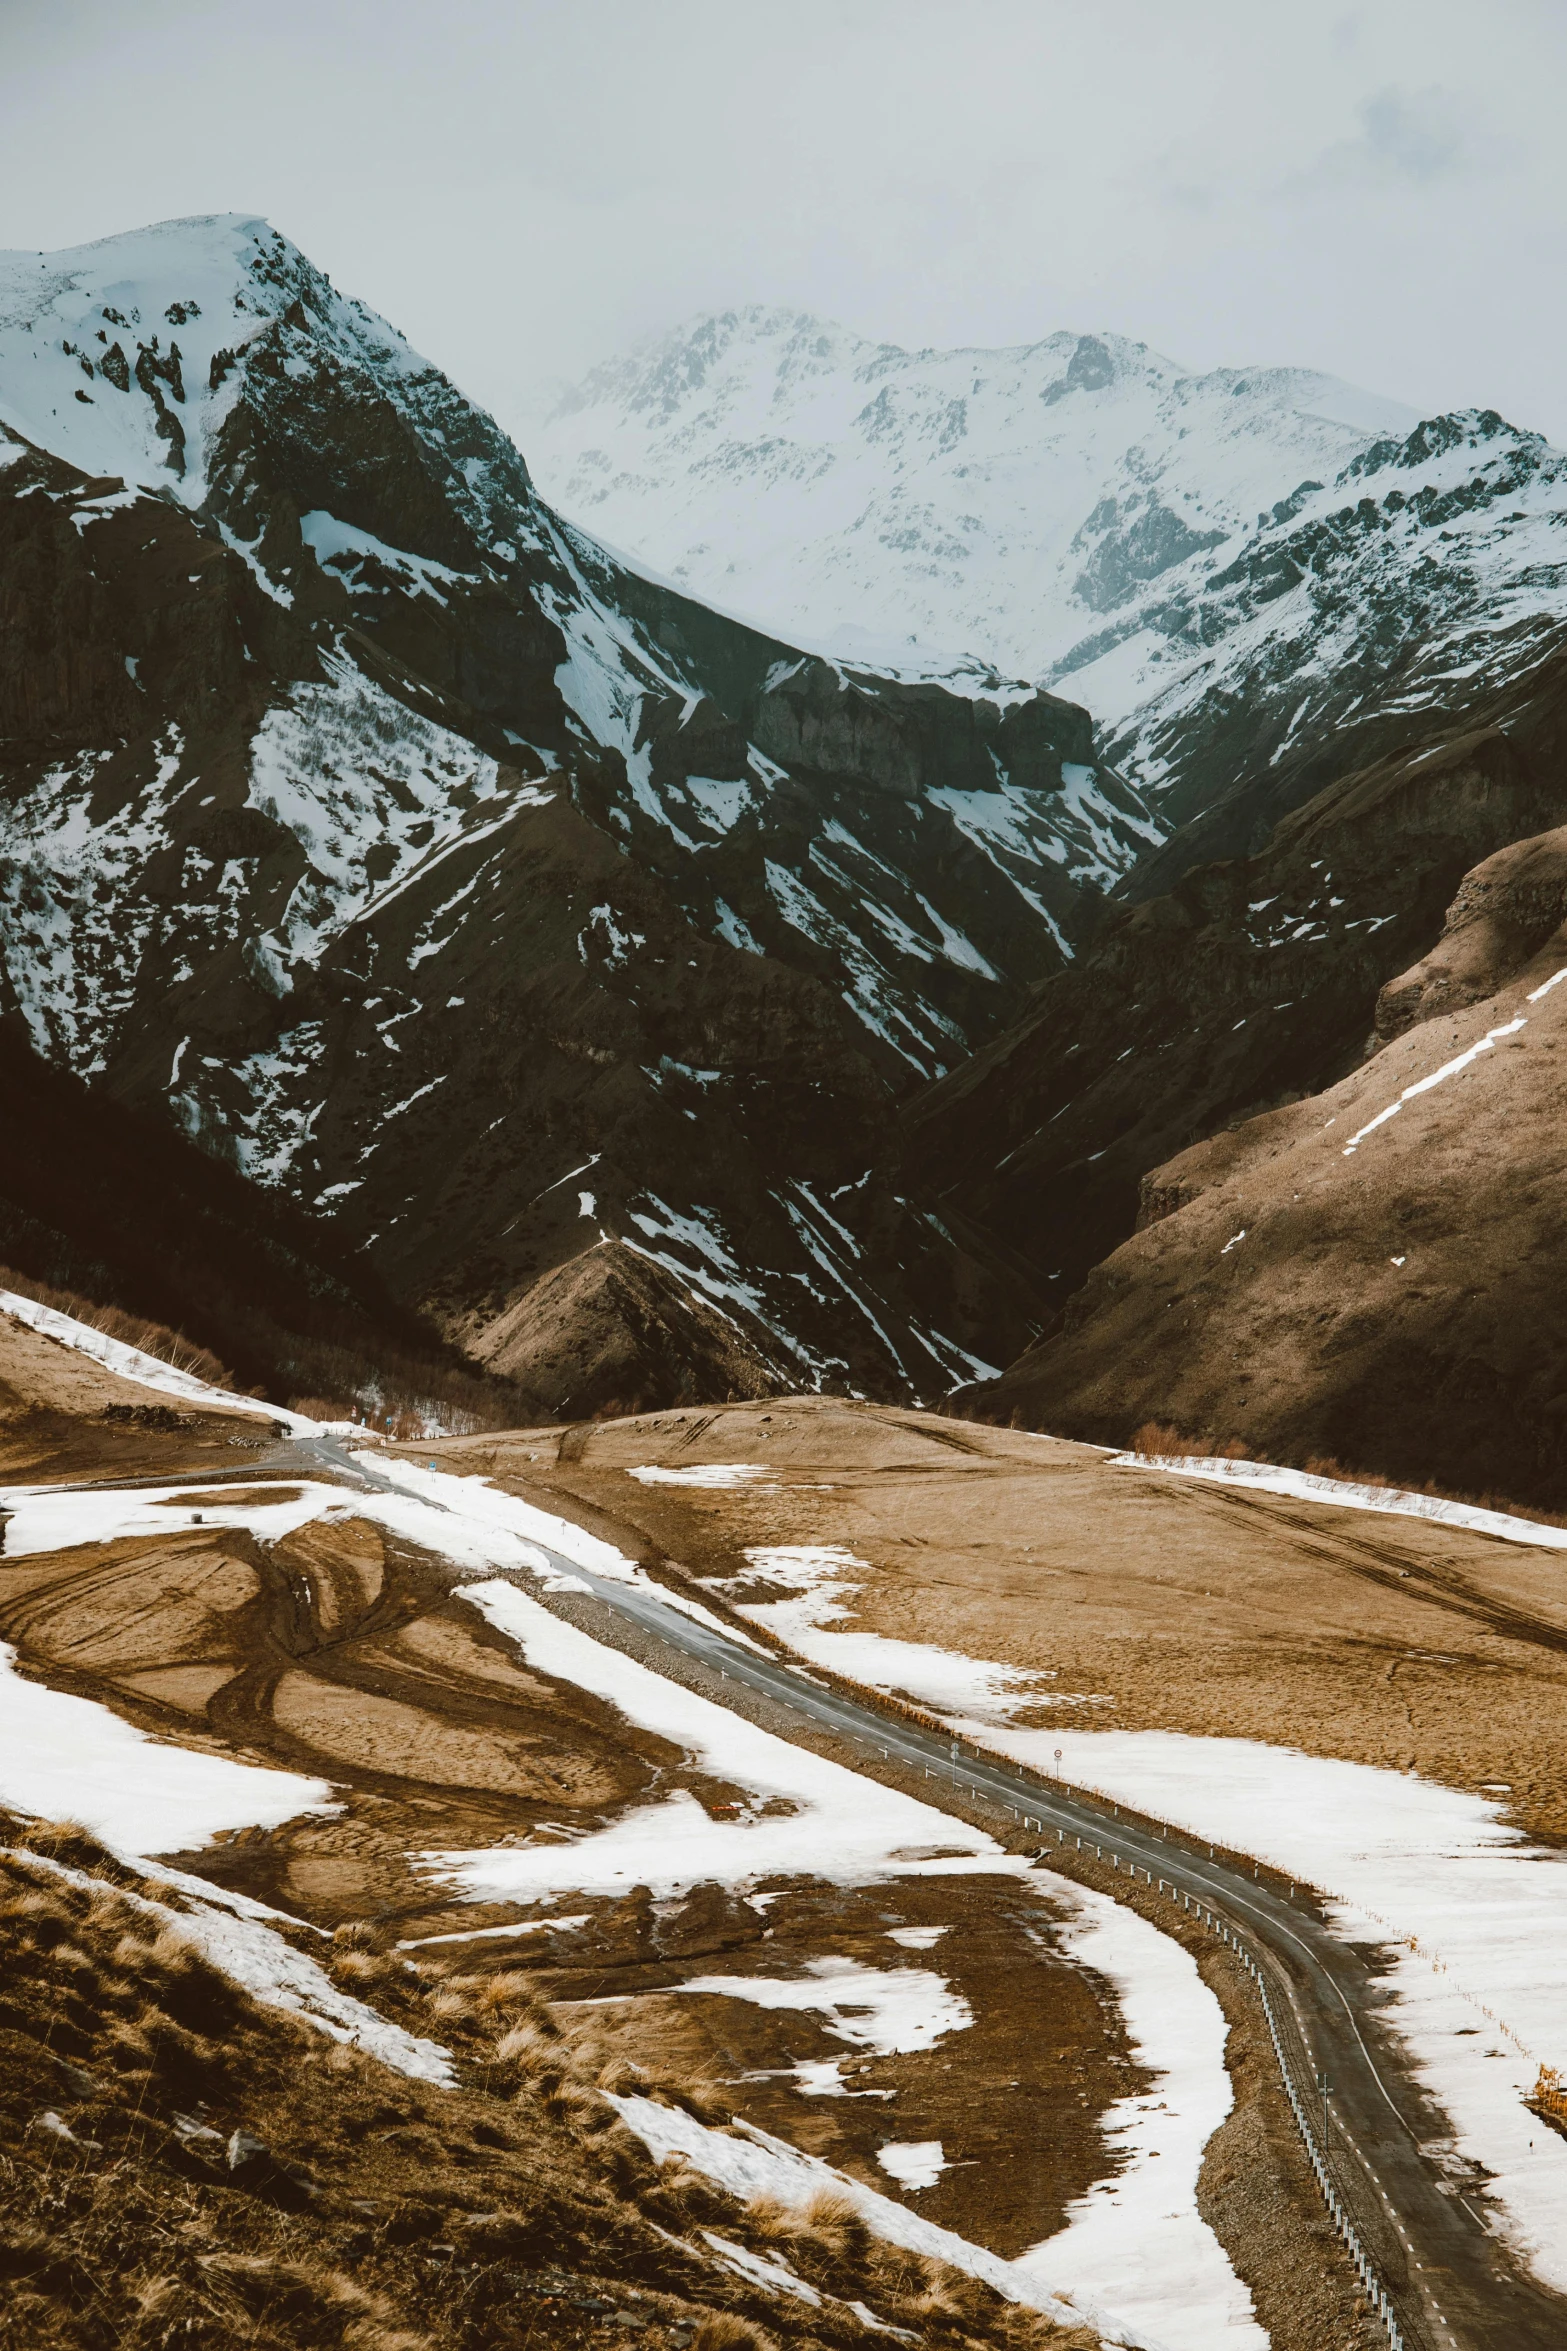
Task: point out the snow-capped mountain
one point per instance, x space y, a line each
939 507
559 937
1229 569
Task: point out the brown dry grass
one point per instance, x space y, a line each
391 2215
392 1390
133 1330
1144 1601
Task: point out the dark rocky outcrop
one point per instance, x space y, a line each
429 868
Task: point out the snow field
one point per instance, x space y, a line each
940 1678
1473 1917
925 509
845 1829
65 1758
1138 2238
708 1473
1472 1913
1266 1477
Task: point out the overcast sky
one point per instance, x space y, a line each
525 188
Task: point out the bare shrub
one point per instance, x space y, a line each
1159 1440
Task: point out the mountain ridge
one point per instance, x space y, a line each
1229 568
352 801
764 400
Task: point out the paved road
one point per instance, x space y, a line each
1452 2284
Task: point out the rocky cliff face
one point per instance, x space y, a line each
498 904
1256 579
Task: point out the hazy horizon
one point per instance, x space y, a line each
529 190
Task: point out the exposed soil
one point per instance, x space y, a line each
341 1653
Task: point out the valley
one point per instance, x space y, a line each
529 1709
780 1404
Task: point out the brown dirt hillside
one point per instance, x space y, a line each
401 2215
1396 1305
343 1653
62 1415
1243 985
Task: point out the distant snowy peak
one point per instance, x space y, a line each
935 507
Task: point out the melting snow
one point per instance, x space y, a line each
888 2010
942 1678
913 2163
1138 2238
752 2163
231 1931
704 1473
148 1371
845 1829
65 1758
1473 1917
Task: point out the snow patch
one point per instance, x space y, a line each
913 2163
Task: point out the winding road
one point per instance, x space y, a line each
1436 2271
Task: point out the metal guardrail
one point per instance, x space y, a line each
1370 2277
1366 2269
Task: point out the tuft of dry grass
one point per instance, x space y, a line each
724 2332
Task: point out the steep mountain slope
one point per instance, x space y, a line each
1256 579
1250 982
1374 1272
1428 578
120 1209
498 902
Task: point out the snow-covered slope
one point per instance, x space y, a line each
1230 570
418 854
933 506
